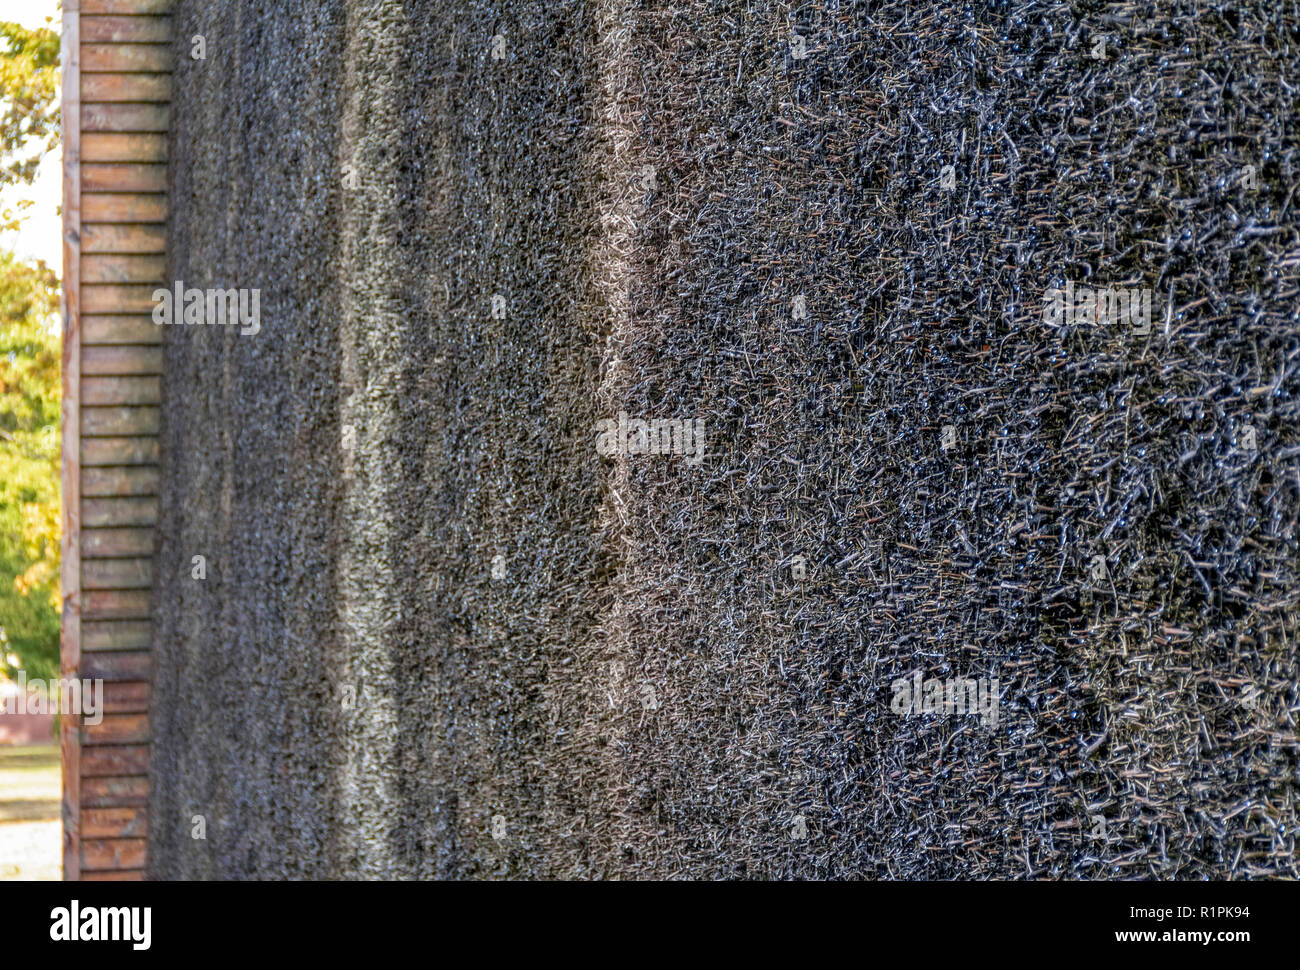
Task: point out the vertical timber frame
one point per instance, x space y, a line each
70 577
116 57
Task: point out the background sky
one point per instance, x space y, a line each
41 232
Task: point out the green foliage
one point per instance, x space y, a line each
29 104
30 400
29 368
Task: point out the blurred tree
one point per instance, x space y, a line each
29 105
29 465
29 369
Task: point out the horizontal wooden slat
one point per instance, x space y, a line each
126 6
113 875
104 512
123 207
116 574
125 679
116 481
111 791
115 604
125 117
116 542
112 329
120 360
119 421
117 665
122 147
114 635
117 729
126 697
122 269
124 58
119 481
132 298
126 87
108 237
123 177
142 450
115 823
107 543
120 389
119 30
118 297
122 760
100 854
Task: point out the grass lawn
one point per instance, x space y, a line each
30 826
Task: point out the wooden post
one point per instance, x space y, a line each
70 635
